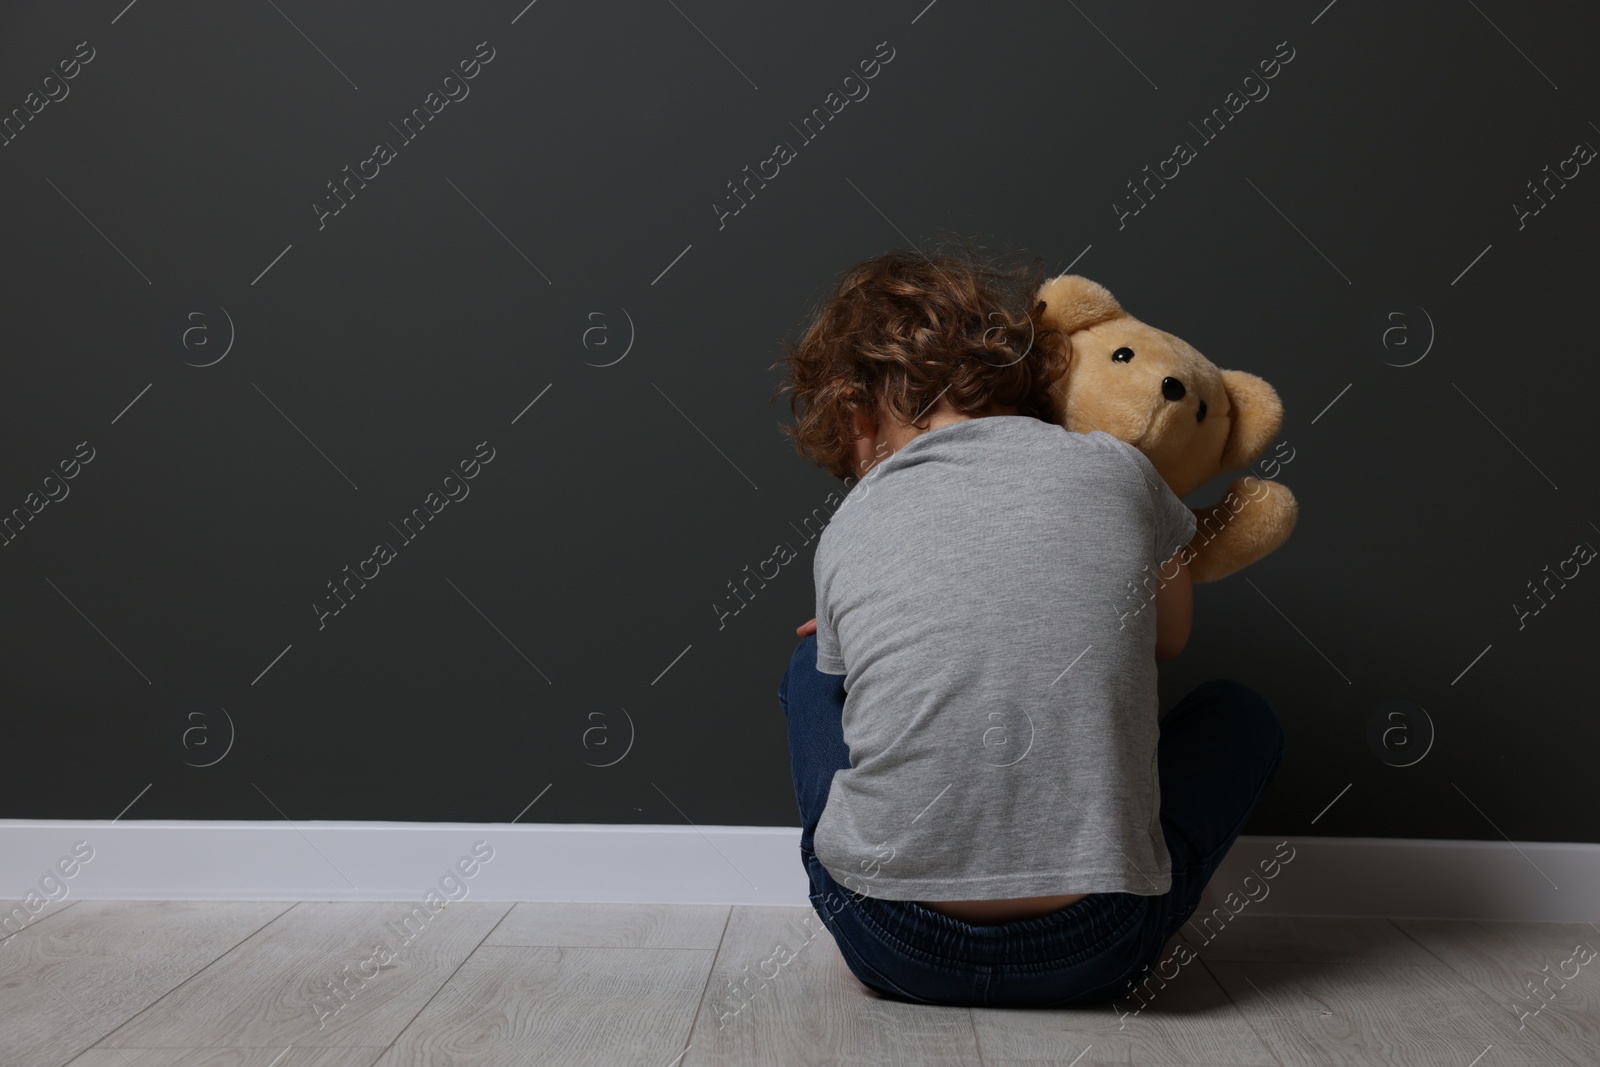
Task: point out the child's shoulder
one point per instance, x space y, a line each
1050 435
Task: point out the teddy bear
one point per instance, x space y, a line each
1192 420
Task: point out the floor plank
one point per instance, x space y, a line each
70 979
1355 1015
1533 972
575 925
1186 1020
812 1010
514 1007
267 991
22 919
1280 938
232 985
228 1057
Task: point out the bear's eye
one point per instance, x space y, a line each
1122 355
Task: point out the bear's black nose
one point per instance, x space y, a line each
1172 389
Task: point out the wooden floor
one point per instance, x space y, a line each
141 984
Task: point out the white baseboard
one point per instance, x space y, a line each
1416 878
181 860
156 860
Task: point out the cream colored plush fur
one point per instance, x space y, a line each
1153 400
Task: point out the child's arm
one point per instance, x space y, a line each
1174 604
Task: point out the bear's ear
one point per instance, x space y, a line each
1073 302
1256 414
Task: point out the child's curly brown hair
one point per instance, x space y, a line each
904 329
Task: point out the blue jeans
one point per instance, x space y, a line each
1219 748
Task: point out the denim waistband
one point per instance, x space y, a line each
1076 932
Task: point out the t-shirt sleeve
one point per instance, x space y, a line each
1175 524
828 660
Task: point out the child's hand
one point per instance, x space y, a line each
805 629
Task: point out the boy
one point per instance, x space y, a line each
973 713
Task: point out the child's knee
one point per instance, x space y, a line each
1247 713
804 657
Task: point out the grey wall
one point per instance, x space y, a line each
164 211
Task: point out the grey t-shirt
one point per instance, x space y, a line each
986 593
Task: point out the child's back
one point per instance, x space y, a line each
986 591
